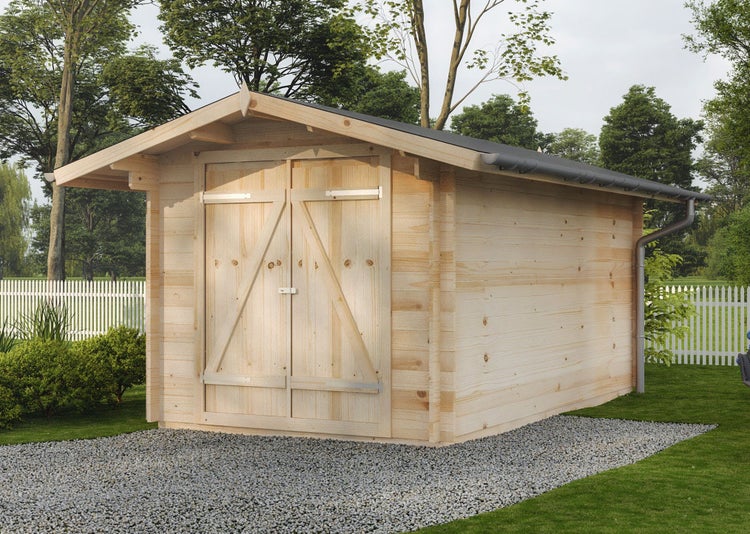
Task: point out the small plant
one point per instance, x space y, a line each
665 312
49 321
7 338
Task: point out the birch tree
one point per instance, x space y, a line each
398 31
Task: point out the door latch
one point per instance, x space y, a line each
287 290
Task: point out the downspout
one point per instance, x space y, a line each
640 377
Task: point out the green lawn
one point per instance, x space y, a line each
700 485
128 417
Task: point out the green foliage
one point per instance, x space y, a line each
45 376
381 94
48 322
729 249
501 120
7 337
723 28
664 311
104 233
296 48
576 145
100 422
121 352
41 374
147 89
641 137
10 411
15 196
115 94
397 32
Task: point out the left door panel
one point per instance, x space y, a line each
246 263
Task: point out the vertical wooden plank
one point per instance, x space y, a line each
435 310
448 279
154 332
384 284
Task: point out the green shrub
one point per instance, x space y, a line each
10 411
35 371
46 376
122 353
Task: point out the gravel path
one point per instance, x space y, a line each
184 481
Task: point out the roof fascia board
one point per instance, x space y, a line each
366 131
181 126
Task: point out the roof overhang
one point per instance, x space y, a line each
133 163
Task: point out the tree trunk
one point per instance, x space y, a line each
55 254
455 62
420 40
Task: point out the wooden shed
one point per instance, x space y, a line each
318 272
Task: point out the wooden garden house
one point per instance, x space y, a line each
318 272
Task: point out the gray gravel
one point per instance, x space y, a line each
185 481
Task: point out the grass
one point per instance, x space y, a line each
699 485
130 416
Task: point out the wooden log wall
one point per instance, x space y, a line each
544 287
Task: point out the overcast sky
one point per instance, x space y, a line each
605 47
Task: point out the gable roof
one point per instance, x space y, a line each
110 167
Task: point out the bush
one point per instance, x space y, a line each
38 372
41 376
122 354
664 312
10 411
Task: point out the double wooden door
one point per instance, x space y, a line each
297 295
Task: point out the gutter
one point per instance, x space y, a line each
525 161
640 343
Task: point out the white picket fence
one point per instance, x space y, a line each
93 307
716 332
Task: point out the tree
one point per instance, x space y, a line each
724 29
80 22
296 48
576 145
380 94
398 33
641 137
729 249
33 40
15 196
501 120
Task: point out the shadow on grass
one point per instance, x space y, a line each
130 416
